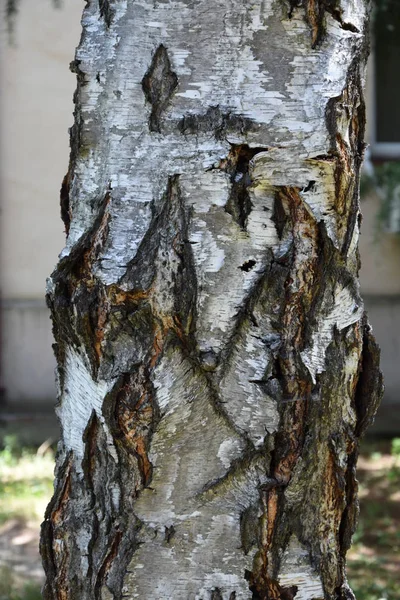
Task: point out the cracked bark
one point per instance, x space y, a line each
215 366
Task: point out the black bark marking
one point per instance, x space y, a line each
237 164
75 141
247 266
216 594
309 186
334 9
64 202
208 359
75 285
159 84
169 533
370 386
239 204
289 593
315 15
349 106
293 4
348 522
218 121
279 216
168 229
106 11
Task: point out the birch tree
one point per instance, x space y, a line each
215 366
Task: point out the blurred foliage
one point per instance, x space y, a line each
12 589
387 177
384 179
26 481
374 559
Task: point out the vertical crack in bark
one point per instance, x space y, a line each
369 391
159 84
64 201
345 115
237 165
279 215
296 388
106 11
315 14
135 418
76 285
331 477
75 140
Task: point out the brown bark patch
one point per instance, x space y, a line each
134 417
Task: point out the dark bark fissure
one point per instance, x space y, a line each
315 15
369 389
349 157
239 203
49 527
237 165
218 121
298 432
76 147
295 386
159 84
106 11
279 216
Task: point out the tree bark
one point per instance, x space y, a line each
215 366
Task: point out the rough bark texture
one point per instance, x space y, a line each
215 366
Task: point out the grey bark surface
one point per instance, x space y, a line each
215 366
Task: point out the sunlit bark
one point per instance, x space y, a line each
215 366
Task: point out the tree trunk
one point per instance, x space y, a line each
215 366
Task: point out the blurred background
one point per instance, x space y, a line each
38 41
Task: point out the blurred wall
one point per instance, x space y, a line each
35 113
380 286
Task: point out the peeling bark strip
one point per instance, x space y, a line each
215 366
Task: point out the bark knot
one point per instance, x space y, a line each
159 84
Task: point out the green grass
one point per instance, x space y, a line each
26 482
374 559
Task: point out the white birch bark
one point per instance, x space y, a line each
215 366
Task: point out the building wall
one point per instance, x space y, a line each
35 113
380 286
380 253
